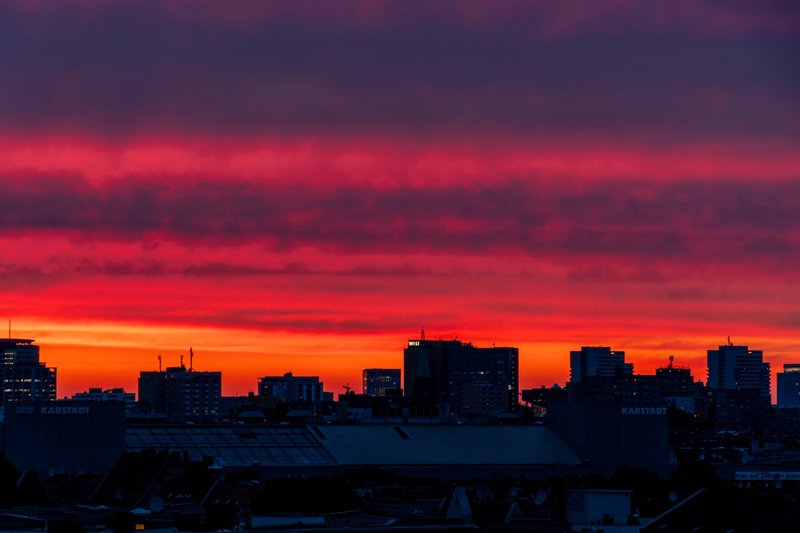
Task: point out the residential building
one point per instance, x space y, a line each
24 376
670 385
108 395
789 386
378 381
596 371
597 361
736 368
290 388
673 385
468 381
739 383
184 395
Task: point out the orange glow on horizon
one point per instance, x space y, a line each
111 355
287 187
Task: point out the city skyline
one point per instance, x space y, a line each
614 364
289 186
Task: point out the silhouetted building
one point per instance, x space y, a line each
670 385
470 381
596 372
290 388
377 381
390 409
183 395
737 367
24 376
789 386
597 361
739 382
108 395
542 395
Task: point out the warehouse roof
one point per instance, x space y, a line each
358 445
234 446
446 445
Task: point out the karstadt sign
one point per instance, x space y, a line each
55 410
638 411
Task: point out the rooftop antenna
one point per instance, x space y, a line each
729 341
671 359
191 359
159 362
182 361
9 328
422 335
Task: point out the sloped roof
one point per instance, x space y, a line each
446 445
234 446
358 444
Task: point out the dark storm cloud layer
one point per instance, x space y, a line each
139 69
682 221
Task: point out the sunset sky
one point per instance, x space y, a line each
302 186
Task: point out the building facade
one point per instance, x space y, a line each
789 386
736 368
378 381
466 380
108 395
671 386
290 388
601 361
24 377
64 436
739 383
612 434
183 395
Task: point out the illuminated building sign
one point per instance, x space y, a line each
52 410
64 410
644 410
767 476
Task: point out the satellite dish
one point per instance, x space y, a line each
672 496
156 504
541 496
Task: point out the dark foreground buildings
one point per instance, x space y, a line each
610 434
612 417
671 385
65 436
466 380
